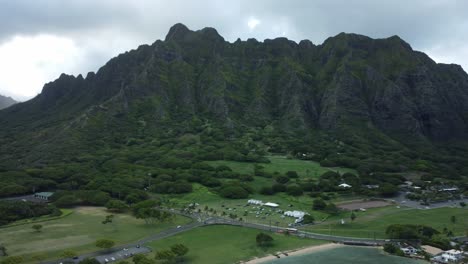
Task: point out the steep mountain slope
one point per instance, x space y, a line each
376 97
6 102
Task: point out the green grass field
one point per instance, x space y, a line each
228 244
375 221
304 168
78 232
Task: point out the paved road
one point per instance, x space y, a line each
403 201
304 234
122 254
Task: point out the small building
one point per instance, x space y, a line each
409 250
256 202
43 195
449 256
408 183
295 214
271 204
448 189
344 185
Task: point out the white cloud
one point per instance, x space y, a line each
252 23
450 52
41 39
27 62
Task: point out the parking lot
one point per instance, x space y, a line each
121 254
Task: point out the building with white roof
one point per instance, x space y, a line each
256 202
295 214
449 256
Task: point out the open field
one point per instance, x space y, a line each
374 221
78 232
228 244
304 168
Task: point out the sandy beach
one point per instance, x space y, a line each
294 252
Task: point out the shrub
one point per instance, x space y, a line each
234 192
282 179
392 249
319 204
264 240
292 174
294 190
267 191
278 187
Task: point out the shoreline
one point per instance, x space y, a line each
293 252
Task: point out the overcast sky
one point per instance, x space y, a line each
39 39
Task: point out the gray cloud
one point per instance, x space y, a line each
102 29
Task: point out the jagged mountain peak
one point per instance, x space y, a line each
349 83
182 34
177 31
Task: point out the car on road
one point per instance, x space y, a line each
106 260
179 226
112 258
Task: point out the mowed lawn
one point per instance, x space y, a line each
304 168
78 232
228 244
375 221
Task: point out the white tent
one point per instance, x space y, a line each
271 204
295 214
252 201
344 185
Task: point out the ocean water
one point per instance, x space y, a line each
346 255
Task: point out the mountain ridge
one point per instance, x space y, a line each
6 101
350 86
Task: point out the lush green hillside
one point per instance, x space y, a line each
156 117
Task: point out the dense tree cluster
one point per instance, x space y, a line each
11 211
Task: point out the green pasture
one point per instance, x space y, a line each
374 222
228 244
281 164
78 232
